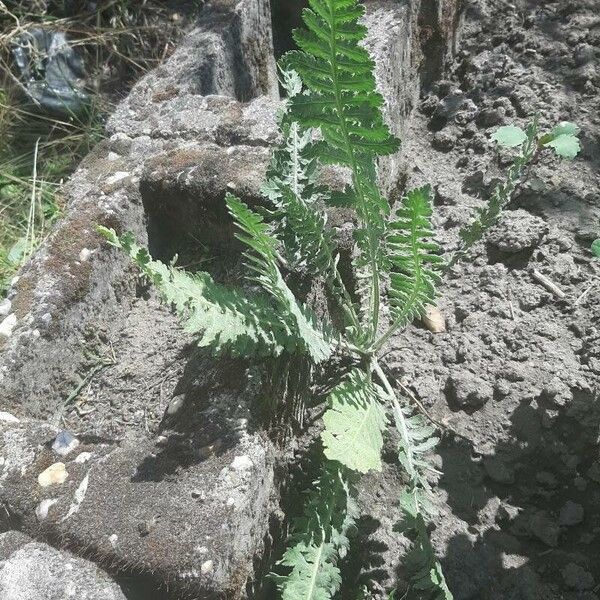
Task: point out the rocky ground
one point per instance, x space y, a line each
171 487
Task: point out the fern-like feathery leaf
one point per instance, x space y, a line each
308 243
262 260
224 319
416 441
320 538
424 570
291 187
354 423
315 576
342 101
412 259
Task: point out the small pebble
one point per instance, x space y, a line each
85 254
7 326
242 463
206 567
145 527
8 418
54 474
41 512
83 457
175 405
5 307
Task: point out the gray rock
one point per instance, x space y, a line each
547 479
544 528
577 578
517 230
39 572
10 542
469 391
498 470
571 514
137 480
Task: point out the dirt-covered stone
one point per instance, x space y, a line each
33 571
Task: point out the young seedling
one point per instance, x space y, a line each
332 116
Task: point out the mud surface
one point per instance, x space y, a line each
516 377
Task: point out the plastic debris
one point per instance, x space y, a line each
64 443
51 71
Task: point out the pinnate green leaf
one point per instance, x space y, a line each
315 576
223 319
596 248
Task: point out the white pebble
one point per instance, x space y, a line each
113 539
206 567
84 254
230 502
83 457
5 307
175 404
54 474
118 176
7 325
41 512
8 418
241 463
65 443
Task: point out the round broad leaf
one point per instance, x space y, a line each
565 145
565 128
596 248
509 136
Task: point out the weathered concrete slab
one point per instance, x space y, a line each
194 519
184 495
